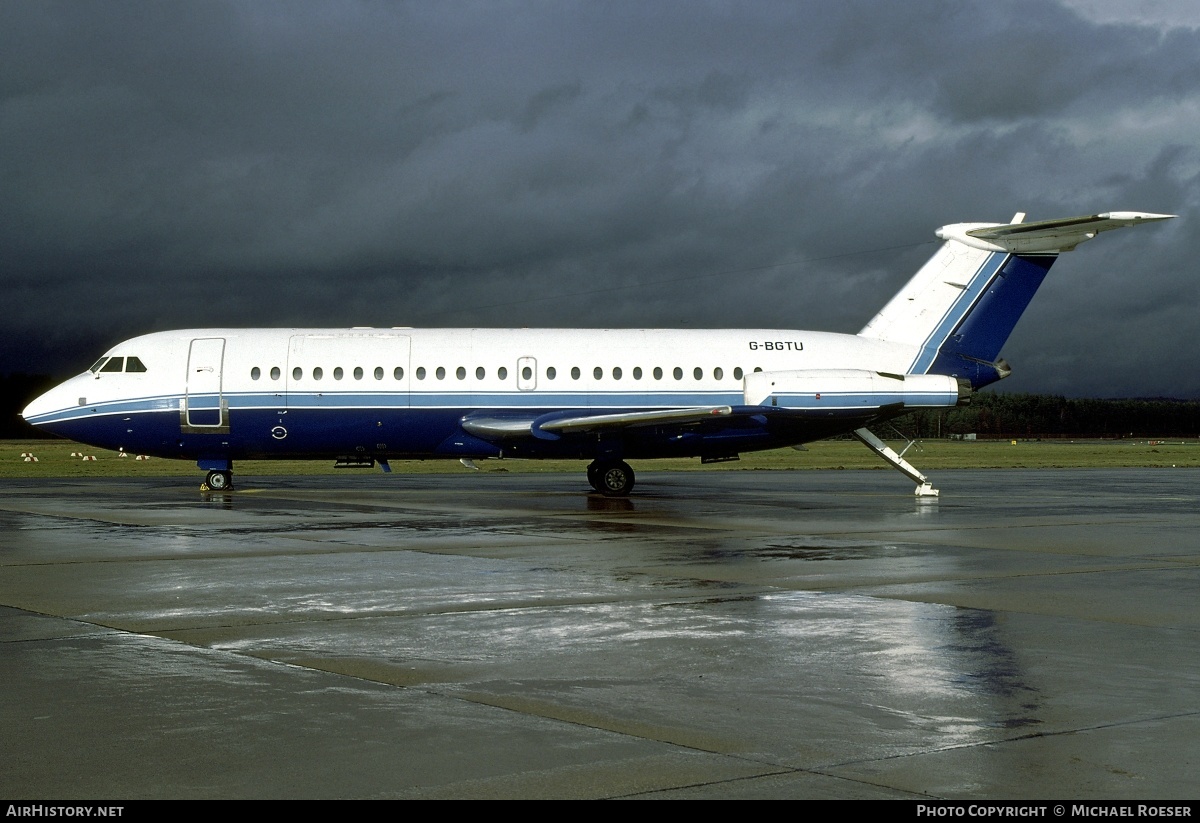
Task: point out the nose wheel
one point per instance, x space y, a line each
218 481
612 478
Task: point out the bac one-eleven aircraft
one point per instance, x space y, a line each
363 396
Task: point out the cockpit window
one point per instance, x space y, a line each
132 364
113 364
96 366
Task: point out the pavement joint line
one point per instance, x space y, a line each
1016 739
784 772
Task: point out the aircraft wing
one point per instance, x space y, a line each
590 422
552 425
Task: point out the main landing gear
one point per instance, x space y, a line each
612 478
218 481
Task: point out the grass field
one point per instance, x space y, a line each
54 459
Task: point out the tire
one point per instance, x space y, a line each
219 481
616 479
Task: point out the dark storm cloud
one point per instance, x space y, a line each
675 164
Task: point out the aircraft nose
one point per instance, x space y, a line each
42 408
37 408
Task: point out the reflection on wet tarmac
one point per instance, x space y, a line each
600 503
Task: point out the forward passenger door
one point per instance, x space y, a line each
204 406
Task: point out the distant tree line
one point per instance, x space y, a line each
988 416
991 415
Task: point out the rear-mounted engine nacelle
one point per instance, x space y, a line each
843 389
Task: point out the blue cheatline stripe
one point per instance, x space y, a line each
496 400
167 402
959 309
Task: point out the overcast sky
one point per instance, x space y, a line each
601 164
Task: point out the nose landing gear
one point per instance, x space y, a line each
218 481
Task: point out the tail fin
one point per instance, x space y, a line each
960 308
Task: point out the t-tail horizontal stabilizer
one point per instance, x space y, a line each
958 311
1044 236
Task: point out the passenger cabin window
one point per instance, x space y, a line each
297 373
398 373
318 373
379 372
479 373
274 372
502 373
358 372
737 373
255 373
337 373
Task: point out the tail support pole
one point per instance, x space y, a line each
924 487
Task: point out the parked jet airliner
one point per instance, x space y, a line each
363 395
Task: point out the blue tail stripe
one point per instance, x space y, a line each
961 308
985 329
975 343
